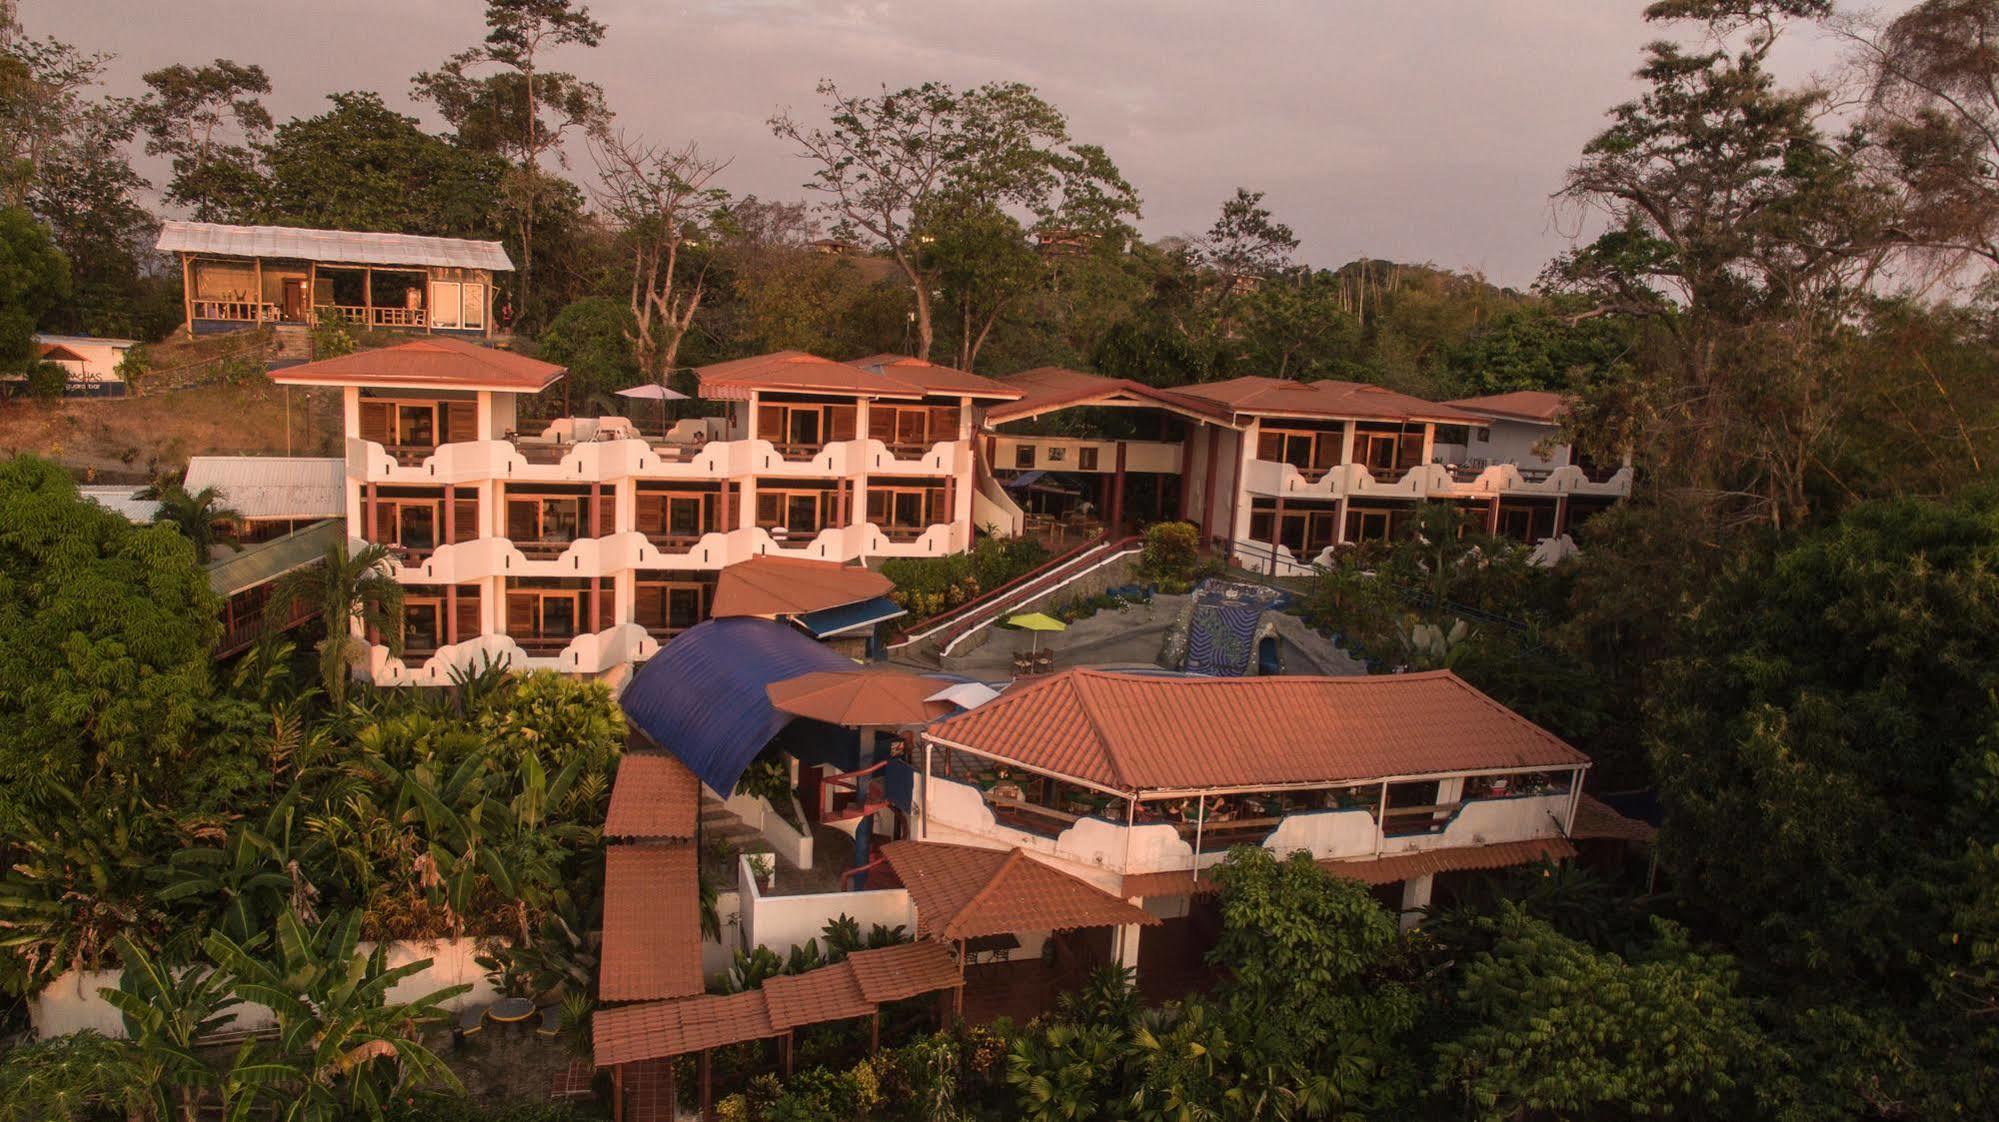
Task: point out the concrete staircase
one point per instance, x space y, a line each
290 346
720 824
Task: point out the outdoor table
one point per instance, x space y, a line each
511 1010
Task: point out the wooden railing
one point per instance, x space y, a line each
239 311
948 627
375 317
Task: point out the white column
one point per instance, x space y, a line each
1415 895
1346 457
1239 486
1127 947
1429 441
484 410
350 405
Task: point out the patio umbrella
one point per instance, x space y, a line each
1037 622
965 695
654 392
859 698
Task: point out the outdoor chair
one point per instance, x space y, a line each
471 1019
551 1021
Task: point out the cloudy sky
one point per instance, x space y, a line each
1419 130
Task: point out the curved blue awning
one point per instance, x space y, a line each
702 696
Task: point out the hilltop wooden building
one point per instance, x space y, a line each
248 276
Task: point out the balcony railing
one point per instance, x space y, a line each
797 452
903 534
374 317
676 543
544 550
239 311
543 646
410 455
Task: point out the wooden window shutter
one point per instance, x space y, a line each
465 519
841 420
606 521
461 421
649 604
881 423
468 612
375 421
607 603
770 424
520 614
385 522
943 423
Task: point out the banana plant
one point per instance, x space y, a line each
77 881
251 877
342 1049
167 1014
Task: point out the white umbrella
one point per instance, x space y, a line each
654 392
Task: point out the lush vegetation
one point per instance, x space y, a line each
929 585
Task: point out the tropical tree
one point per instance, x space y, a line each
891 165
167 1015
251 878
208 120
342 1049
196 514
660 199
363 166
81 1077
34 278
355 594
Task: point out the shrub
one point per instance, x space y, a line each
1171 558
927 586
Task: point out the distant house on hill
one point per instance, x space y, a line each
248 276
90 363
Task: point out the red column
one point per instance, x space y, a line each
1117 493
450 514
1276 533
596 603
368 531
451 615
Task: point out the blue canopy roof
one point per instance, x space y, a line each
1024 479
849 617
702 696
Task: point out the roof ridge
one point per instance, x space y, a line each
985 890
1096 726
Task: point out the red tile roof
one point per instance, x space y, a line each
1595 819
830 993
1178 883
652 923
847 989
904 971
963 892
1519 405
936 379
1130 732
434 362
1054 387
659 1029
797 372
789 586
1428 862
1279 397
654 798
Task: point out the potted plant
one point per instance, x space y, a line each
763 867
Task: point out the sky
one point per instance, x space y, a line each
1417 130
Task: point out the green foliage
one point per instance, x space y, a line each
353 591
929 585
592 337
190 114
34 279
1562 1028
1171 558
196 516
362 166
82 1077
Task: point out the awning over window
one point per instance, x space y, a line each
850 617
702 697
1023 480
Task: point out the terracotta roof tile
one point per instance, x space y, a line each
1428 862
433 362
652 923
1358 400
796 372
830 993
654 798
963 892
936 379
658 1029
1595 819
1134 732
1519 405
1055 387
904 971
782 586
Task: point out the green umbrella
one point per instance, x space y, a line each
1037 622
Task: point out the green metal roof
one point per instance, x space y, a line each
256 564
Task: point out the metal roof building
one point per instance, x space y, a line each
274 486
342 247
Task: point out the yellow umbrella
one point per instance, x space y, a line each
1036 622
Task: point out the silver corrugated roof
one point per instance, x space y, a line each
123 500
347 247
274 486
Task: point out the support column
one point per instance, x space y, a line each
1127 949
618 1092
1276 533
1117 492
257 271
368 515
1492 518
1415 896
1208 487
875 1031
187 296
707 1087
784 1053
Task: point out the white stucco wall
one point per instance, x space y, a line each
72 1004
784 922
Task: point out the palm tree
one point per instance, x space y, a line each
354 592
195 514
